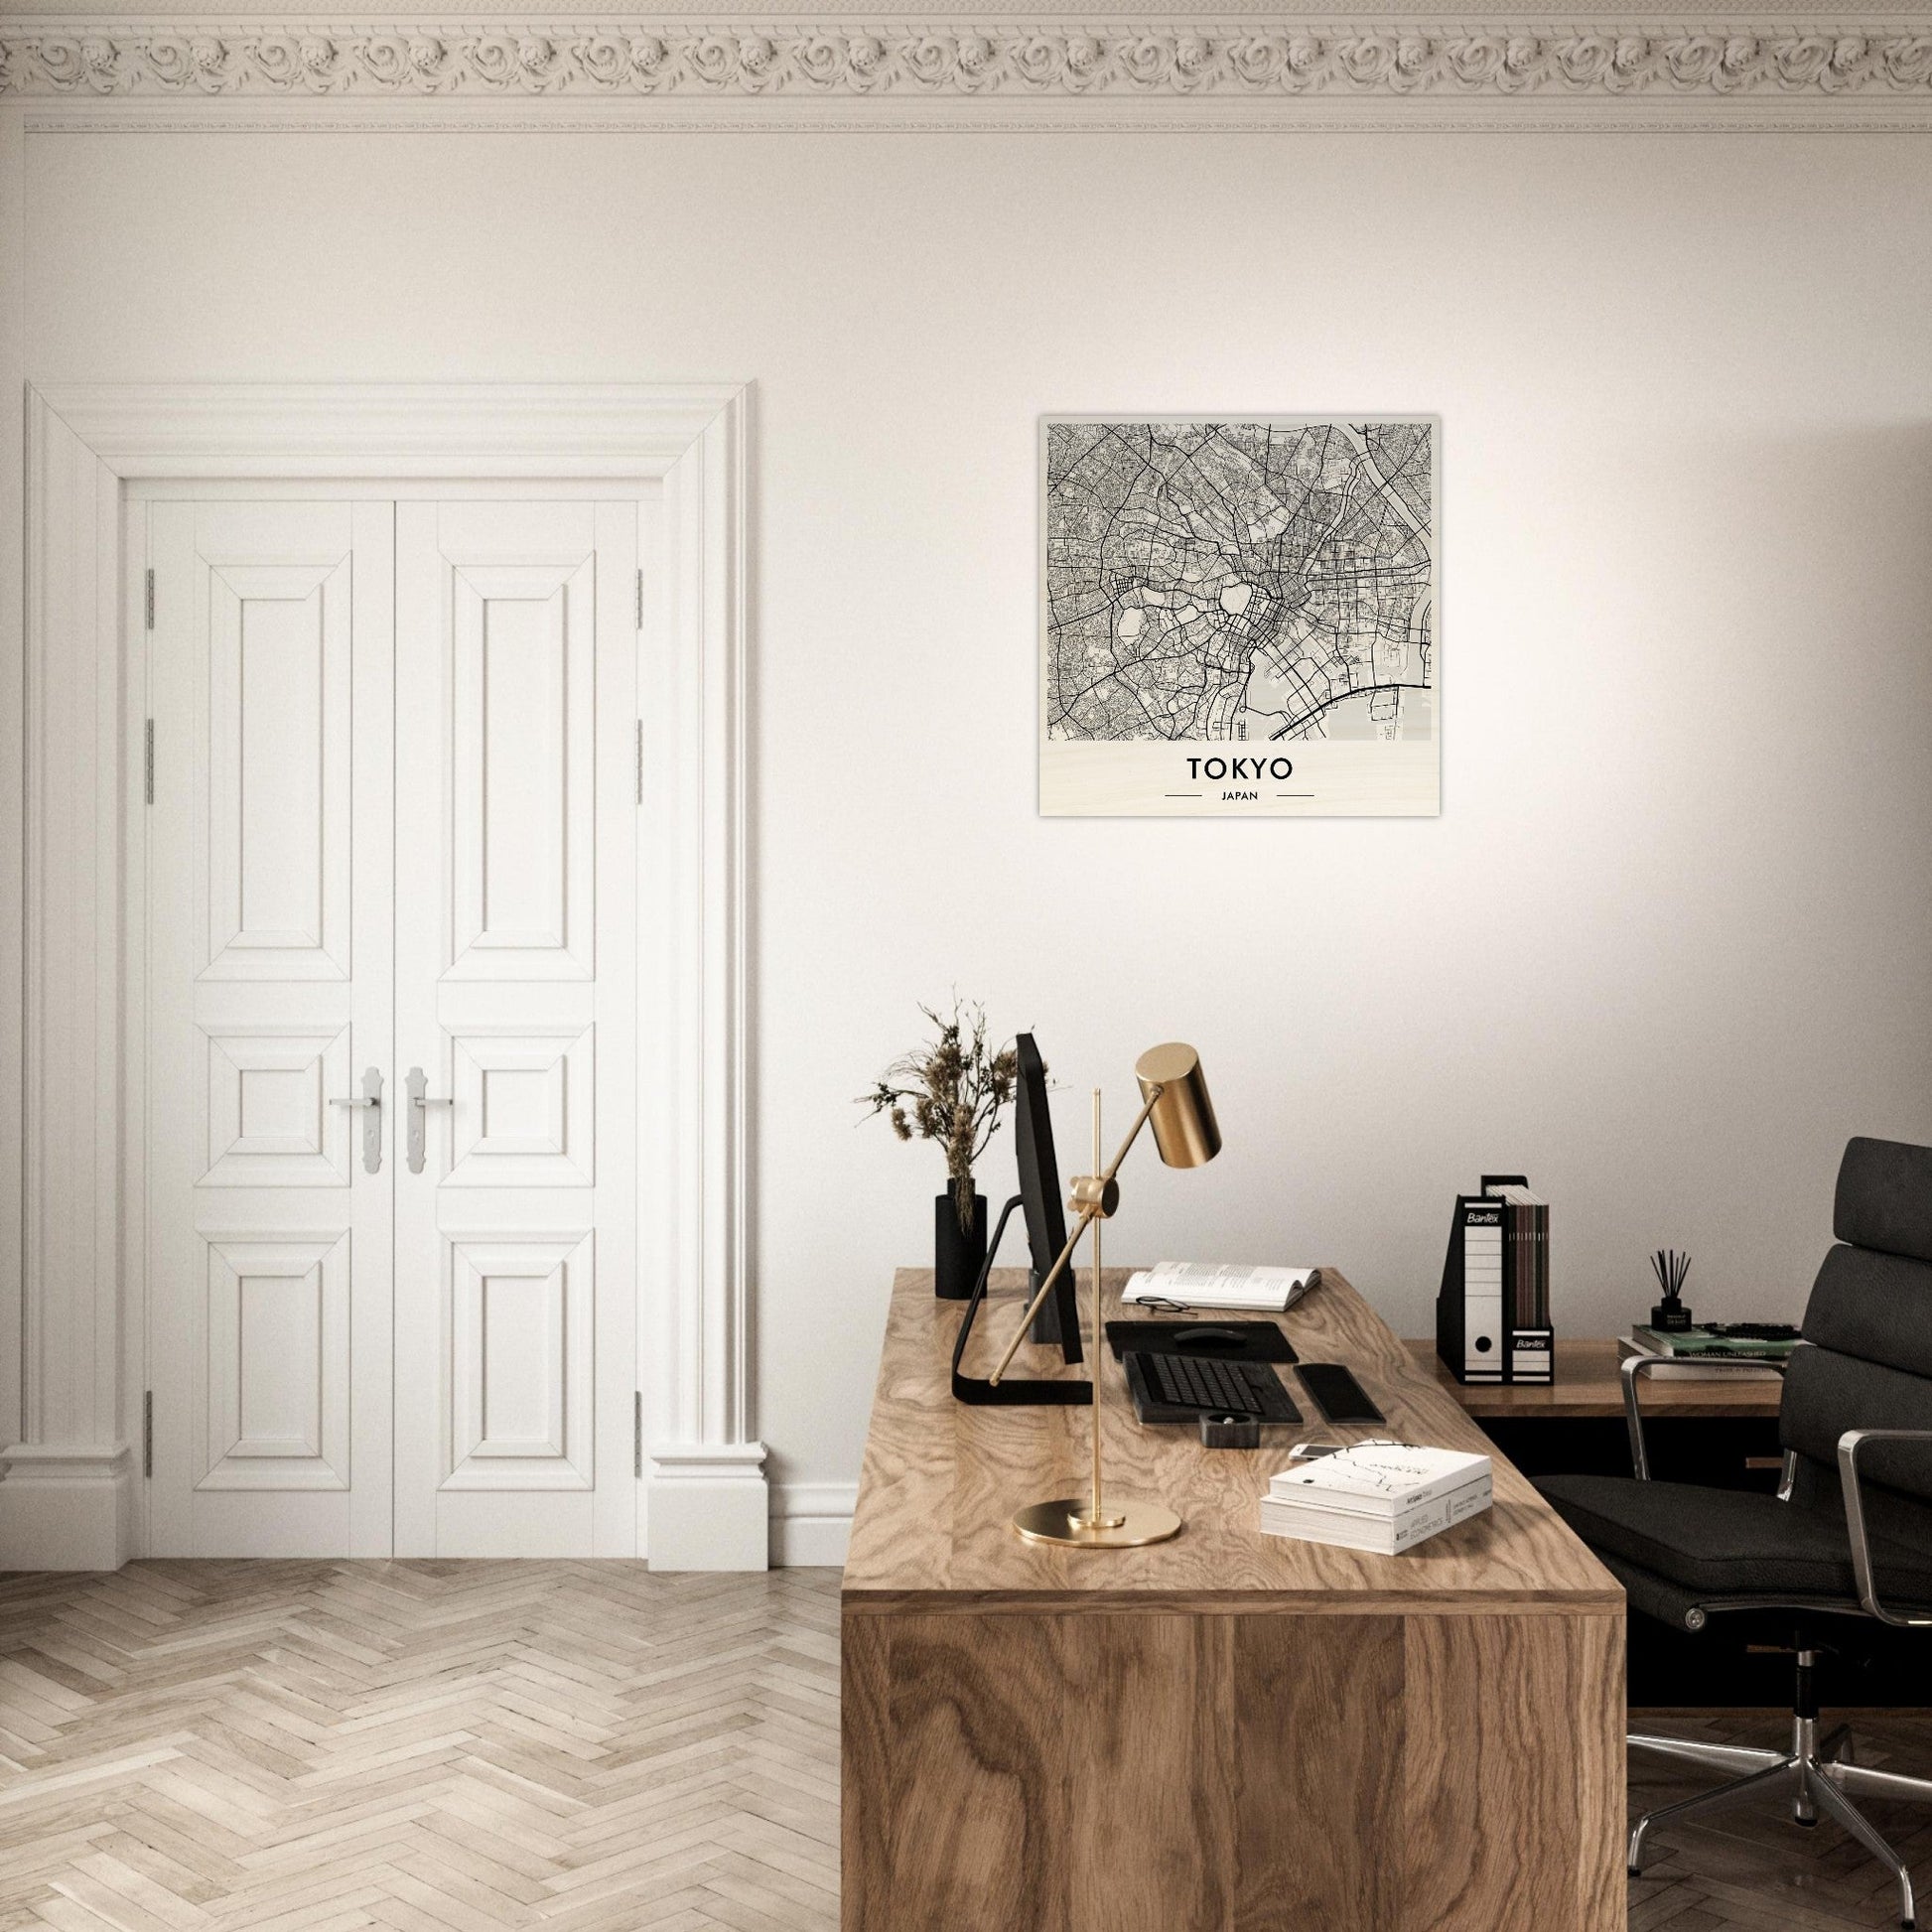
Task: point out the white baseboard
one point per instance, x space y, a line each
709 1507
67 1507
812 1523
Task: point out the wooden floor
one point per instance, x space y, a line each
1754 1868
319 1747
454 1747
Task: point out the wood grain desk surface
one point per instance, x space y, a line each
1588 1385
941 1479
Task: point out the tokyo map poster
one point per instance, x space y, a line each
1240 616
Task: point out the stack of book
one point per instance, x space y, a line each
1386 1498
1687 1354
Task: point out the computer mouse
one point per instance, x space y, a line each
1208 1337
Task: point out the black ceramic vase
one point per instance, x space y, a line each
956 1256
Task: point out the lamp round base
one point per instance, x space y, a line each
1065 1521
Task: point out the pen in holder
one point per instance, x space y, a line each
1670 1314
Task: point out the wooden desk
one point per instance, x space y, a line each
1227 1733
1587 1386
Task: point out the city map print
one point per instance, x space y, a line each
1259 593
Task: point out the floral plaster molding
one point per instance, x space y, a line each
1241 61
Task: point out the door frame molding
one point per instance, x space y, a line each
71 1399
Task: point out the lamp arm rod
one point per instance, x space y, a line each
1133 1134
1088 1216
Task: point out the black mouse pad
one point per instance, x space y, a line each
1210 1340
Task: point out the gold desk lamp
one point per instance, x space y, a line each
1174 1100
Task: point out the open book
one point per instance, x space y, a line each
1210 1285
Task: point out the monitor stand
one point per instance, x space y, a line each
1046 1323
1013 1391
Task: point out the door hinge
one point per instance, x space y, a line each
637 1434
148 757
150 600
640 598
147 1433
640 760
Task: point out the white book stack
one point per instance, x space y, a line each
1381 1497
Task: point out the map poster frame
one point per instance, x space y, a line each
1253 610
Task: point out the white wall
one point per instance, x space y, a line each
1671 939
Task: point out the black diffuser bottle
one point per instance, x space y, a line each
1670 1317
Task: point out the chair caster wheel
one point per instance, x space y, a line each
1807 1823
1633 1872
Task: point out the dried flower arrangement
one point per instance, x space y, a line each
952 1091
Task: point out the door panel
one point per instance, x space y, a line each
278 1358
278 781
521 763
269 1121
525 1108
270 990
522 1329
515 983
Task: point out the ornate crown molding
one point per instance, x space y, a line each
1242 60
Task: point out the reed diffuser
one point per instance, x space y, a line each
1670 1314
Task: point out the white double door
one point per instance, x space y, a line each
391 860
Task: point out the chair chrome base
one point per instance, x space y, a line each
1818 1774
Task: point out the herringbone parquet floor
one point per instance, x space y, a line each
581 1748
424 1747
1755 1871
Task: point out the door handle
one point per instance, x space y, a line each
420 1102
371 1099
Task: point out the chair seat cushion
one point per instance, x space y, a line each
1728 1542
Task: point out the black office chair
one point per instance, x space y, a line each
1847 1540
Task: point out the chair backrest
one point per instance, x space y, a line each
1870 1327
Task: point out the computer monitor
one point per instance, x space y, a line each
1058 1319
1039 1198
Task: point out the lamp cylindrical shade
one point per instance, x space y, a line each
1185 1128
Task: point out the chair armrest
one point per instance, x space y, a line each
1634 1367
1848 1445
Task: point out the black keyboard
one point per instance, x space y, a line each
1185 1387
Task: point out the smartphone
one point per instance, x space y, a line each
1338 1394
